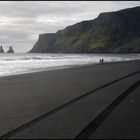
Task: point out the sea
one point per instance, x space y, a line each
13 64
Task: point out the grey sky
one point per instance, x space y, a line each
22 21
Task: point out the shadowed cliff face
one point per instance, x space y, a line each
111 32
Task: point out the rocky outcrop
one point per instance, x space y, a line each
111 32
1 49
10 50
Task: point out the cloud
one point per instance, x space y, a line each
22 21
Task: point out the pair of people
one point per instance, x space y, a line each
101 61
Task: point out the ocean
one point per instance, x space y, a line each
12 64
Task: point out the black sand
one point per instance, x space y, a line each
28 96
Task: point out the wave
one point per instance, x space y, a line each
21 63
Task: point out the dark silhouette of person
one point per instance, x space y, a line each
102 61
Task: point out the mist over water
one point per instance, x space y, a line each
11 64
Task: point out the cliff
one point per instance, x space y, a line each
110 32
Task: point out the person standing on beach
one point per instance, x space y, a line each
102 61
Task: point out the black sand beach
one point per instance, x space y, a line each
26 97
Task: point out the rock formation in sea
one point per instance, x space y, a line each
110 32
10 50
1 49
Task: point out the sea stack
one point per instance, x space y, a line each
10 50
1 50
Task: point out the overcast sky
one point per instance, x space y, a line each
22 21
